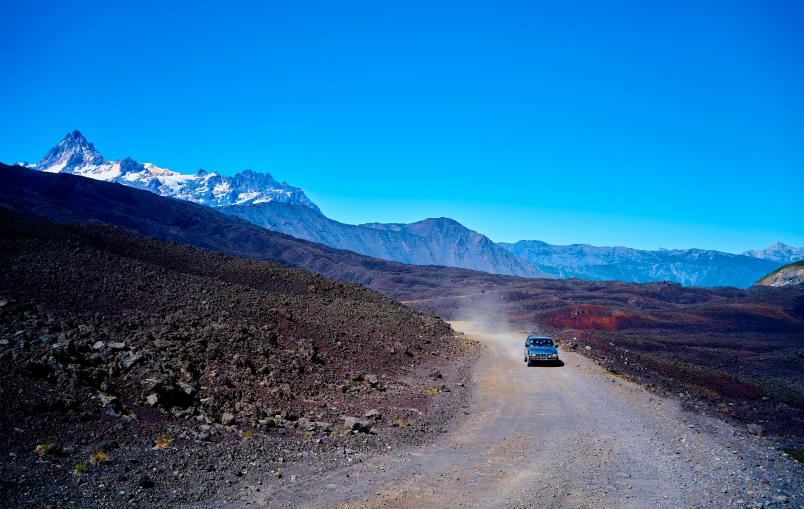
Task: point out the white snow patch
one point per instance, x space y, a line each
221 189
246 197
137 176
56 167
99 172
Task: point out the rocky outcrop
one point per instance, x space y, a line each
789 275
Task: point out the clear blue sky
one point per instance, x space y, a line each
647 124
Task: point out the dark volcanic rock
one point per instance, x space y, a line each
107 337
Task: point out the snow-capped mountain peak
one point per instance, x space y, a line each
73 150
76 155
778 252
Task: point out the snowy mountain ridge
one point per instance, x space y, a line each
75 155
778 252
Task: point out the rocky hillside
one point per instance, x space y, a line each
789 275
77 156
688 267
127 365
115 306
430 242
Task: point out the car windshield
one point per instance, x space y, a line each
541 342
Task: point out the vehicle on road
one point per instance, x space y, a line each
541 349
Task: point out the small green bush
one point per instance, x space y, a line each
796 454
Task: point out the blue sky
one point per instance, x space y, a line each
645 124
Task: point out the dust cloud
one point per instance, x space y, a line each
489 314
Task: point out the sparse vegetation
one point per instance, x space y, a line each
163 440
428 389
402 423
796 454
248 434
99 455
80 467
43 449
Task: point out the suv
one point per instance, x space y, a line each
540 349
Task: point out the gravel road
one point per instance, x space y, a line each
569 436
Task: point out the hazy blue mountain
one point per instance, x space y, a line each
778 252
75 155
689 267
439 241
446 242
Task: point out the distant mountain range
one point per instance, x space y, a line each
430 242
446 242
75 155
277 206
689 267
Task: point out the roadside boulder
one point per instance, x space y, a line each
323 426
756 429
356 424
227 419
373 414
187 388
372 379
111 405
129 359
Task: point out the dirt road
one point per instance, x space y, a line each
570 436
